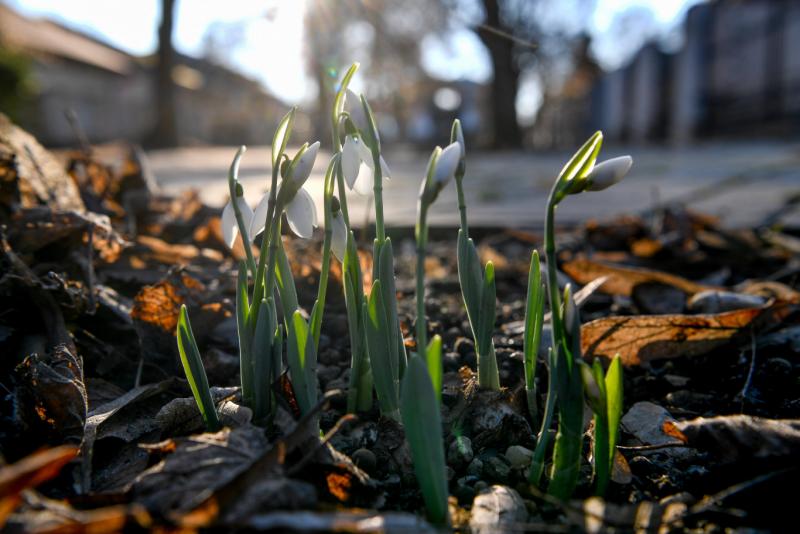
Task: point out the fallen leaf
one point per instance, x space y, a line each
29 472
622 279
640 339
742 437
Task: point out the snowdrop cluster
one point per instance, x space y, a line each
407 386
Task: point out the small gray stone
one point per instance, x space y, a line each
519 457
475 467
460 452
496 469
498 509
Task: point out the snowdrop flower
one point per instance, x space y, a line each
230 229
352 104
447 163
608 173
338 231
358 166
301 212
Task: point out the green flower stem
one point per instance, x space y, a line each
322 290
422 241
377 189
462 205
537 464
233 174
602 465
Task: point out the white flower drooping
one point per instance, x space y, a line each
358 165
230 229
301 212
338 235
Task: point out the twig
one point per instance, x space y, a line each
637 448
325 439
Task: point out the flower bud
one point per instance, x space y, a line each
608 173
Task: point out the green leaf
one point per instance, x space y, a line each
286 287
338 102
470 277
245 335
433 357
613 384
281 138
195 372
301 358
381 352
386 276
423 428
359 395
261 366
488 376
534 319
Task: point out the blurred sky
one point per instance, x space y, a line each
271 44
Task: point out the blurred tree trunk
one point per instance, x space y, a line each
504 86
166 133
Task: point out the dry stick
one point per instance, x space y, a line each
347 418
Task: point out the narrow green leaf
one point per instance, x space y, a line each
381 352
338 103
282 134
488 376
195 372
614 387
423 428
433 357
245 335
261 366
534 319
285 281
470 277
302 362
387 278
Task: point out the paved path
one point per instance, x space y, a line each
510 189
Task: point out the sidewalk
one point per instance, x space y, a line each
741 182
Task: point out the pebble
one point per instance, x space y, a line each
475 467
496 469
497 509
722 301
460 452
519 457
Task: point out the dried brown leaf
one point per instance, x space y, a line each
643 338
621 279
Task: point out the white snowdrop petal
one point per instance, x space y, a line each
302 214
229 228
609 172
365 153
365 181
353 106
303 168
351 160
447 163
338 236
259 216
